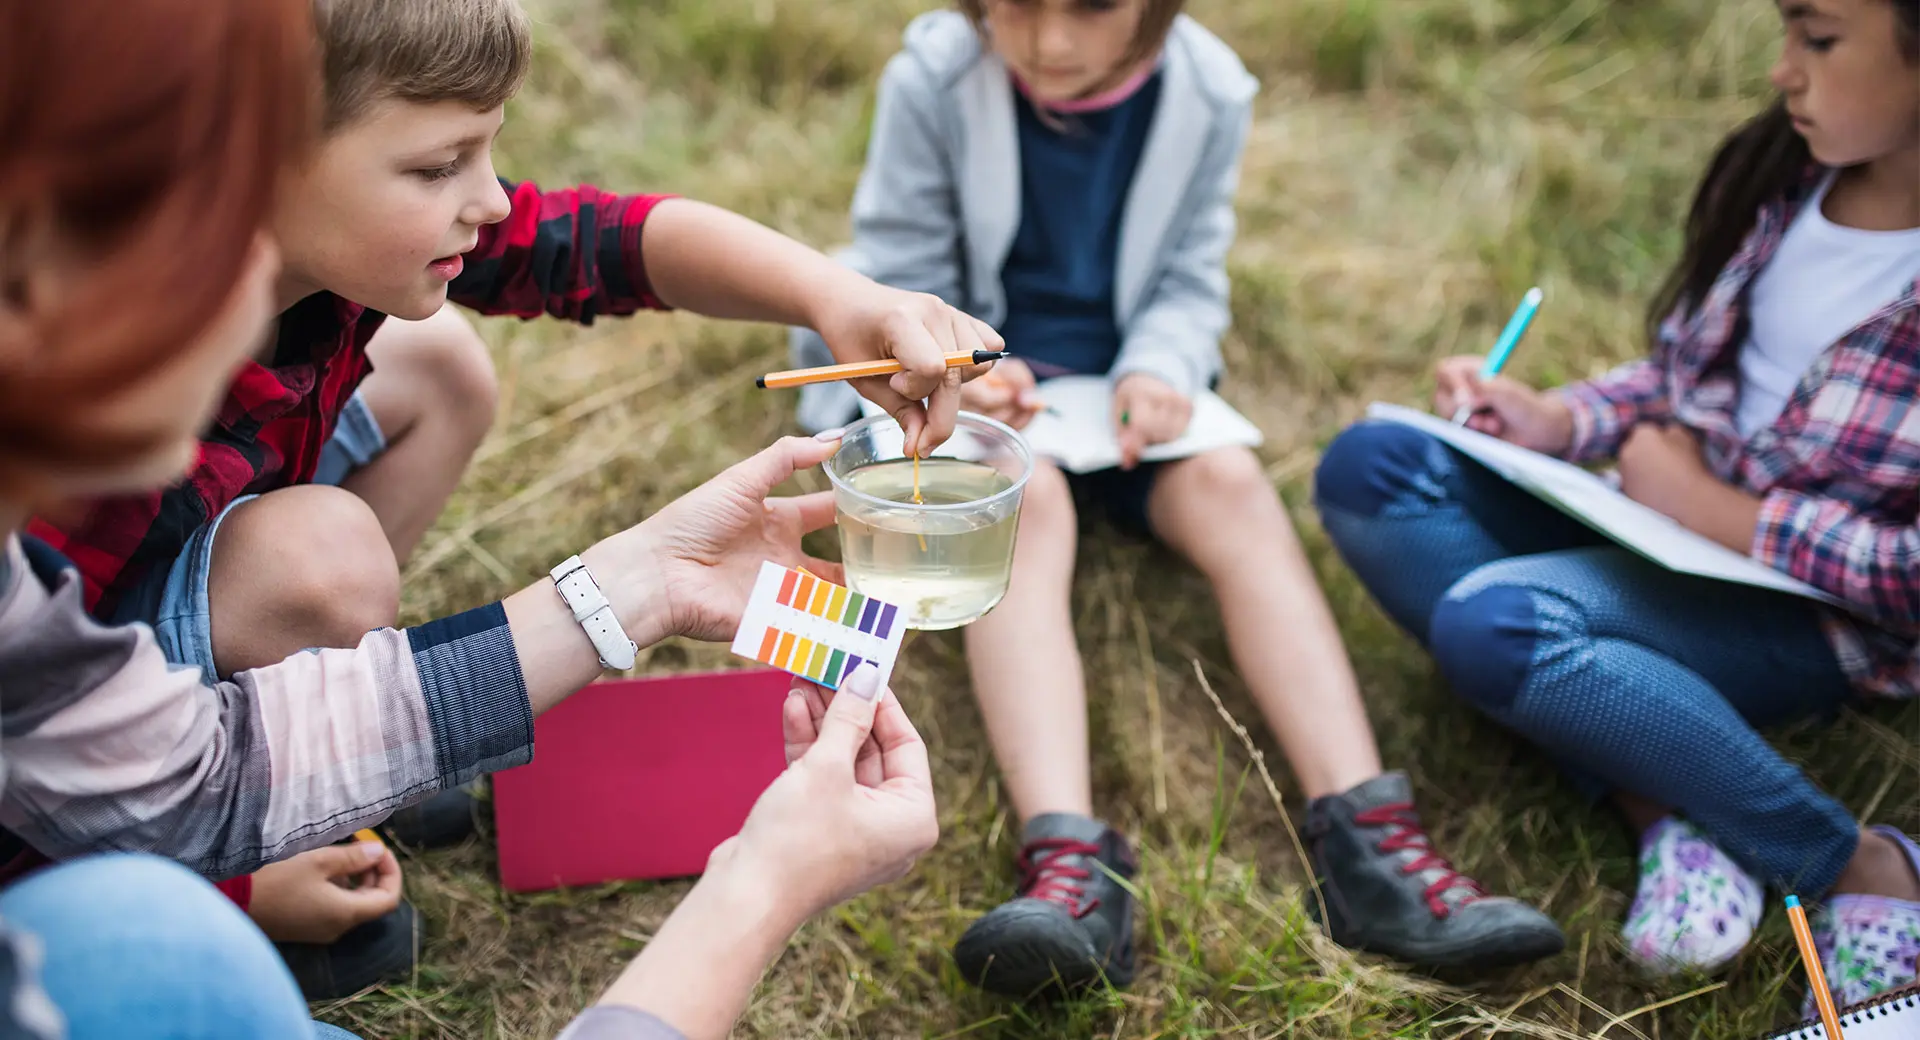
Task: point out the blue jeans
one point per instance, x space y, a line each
175 601
138 947
1629 675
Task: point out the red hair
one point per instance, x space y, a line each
152 134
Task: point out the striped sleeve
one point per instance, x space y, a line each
109 747
572 253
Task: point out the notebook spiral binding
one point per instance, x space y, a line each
1886 1005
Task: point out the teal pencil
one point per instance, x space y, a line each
1503 347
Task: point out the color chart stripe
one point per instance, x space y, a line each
836 603
828 666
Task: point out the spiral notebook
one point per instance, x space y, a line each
1893 1015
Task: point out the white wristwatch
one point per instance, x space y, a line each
595 614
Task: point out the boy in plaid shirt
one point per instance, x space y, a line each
339 445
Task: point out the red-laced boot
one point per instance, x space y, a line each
1069 925
1388 891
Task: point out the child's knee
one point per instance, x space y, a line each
458 360
1372 466
1485 643
1047 503
445 361
323 556
1227 479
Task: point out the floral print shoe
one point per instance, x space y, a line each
1696 909
1868 944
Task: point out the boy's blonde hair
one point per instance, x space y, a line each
1156 21
472 51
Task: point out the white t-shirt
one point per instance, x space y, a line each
1823 280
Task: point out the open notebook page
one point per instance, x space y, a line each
1078 433
1594 502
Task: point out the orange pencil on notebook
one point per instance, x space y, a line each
865 370
1816 976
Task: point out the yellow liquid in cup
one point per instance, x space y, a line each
942 568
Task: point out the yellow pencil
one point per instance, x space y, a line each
1816 977
864 370
364 834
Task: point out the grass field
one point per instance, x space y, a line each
1416 164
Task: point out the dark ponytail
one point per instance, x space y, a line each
1759 162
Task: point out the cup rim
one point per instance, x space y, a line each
1012 436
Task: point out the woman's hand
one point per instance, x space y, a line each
688 569
1503 408
307 898
853 810
1007 393
918 330
1146 411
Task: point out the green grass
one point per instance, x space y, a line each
1415 165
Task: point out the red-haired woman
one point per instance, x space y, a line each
141 143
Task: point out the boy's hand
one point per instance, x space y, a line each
1146 411
1509 410
1007 393
307 898
918 330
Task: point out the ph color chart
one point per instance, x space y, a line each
815 629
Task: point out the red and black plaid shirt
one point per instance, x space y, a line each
572 254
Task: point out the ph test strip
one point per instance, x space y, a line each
808 626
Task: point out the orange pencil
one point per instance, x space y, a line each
365 834
864 370
1816 977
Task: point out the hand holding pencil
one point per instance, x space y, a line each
878 324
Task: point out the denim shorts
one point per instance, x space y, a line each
174 599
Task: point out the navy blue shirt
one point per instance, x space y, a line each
1059 276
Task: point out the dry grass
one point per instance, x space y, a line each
1416 164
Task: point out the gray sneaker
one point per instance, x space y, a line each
1387 890
1069 925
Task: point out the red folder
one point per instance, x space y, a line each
639 778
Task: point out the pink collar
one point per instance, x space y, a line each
1105 99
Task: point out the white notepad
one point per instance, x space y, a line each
1079 438
1594 502
1890 1016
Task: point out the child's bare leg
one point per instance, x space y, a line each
296 568
433 392
1026 665
1219 511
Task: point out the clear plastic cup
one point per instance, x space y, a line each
945 560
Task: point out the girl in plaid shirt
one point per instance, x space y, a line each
1775 414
